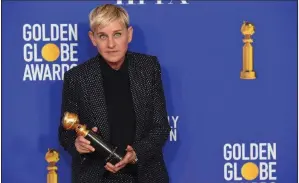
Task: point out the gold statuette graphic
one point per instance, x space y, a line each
52 157
247 72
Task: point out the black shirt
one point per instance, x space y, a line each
121 115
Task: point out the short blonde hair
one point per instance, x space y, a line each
107 13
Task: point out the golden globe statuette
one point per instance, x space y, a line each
247 72
52 157
110 153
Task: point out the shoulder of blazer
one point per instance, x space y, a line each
82 69
144 61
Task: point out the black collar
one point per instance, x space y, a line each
106 67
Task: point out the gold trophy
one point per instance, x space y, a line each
110 153
52 157
247 72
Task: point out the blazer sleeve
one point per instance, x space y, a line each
153 143
69 104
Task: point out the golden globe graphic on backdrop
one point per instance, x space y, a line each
247 72
49 51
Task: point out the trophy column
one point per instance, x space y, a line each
247 72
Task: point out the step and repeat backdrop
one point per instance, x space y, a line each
224 129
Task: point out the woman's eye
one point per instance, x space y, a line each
103 37
117 34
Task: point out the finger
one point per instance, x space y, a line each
110 166
95 129
84 143
109 169
86 146
119 167
83 140
130 148
82 150
121 163
125 160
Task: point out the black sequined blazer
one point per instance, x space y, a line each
83 94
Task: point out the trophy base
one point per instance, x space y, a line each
114 157
247 75
108 152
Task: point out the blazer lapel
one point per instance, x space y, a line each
97 100
137 86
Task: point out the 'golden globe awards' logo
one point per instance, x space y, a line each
250 163
49 51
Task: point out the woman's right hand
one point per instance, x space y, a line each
83 145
